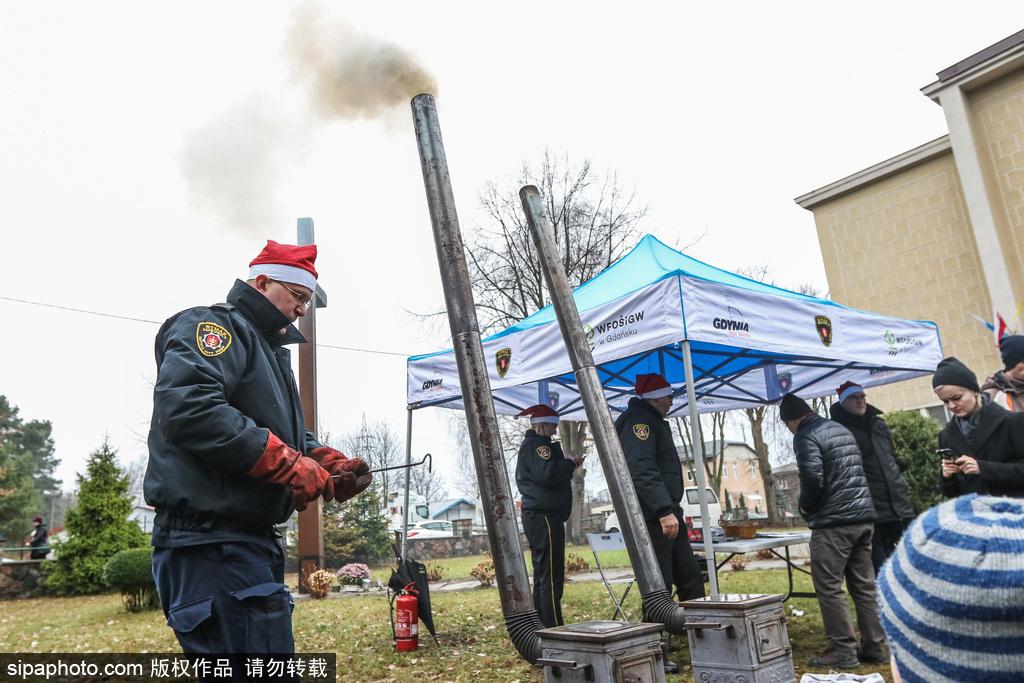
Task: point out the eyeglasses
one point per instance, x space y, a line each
304 300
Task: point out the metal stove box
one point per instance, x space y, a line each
602 651
739 638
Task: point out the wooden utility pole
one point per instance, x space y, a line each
311 528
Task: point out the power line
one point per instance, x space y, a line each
79 310
158 322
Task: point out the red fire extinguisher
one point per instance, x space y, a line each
407 620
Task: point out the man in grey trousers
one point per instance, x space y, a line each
836 504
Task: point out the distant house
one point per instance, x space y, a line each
143 515
787 489
452 509
740 474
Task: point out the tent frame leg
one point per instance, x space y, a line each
698 454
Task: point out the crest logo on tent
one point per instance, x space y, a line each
502 360
824 325
553 400
785 382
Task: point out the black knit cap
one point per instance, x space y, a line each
793 407
1012 349
952 371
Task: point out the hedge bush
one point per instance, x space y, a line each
131 572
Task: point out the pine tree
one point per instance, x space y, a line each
356 531
914 439
97 527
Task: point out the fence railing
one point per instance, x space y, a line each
20 552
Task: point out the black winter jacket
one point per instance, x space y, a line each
888 488
224 380
833 488
544 475
997 443
652 458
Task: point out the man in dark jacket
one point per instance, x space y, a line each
1006 387
836 504
39 540
230 458
544 478
889 489
658 478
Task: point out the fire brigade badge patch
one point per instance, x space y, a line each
212 339
641 432
503 359
824 325
544 452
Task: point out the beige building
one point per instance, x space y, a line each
740 475
937 233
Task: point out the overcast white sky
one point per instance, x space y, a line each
718 113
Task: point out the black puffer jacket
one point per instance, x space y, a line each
833 488
544 475
997 443
888 488
652 458
224 379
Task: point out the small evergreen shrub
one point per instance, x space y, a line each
131 572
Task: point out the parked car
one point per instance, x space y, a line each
691 510
436 528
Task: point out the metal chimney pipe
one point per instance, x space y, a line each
658 605
521 618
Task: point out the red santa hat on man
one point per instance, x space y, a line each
540 414
286 263
652 386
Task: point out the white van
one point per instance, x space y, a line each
691 509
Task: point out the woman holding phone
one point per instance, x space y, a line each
982 447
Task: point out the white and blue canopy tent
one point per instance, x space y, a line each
744 344
750 342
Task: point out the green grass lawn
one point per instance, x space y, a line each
474 644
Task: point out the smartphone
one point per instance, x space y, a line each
946 453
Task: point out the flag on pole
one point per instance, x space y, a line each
999 328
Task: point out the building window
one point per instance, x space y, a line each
689 475
725 472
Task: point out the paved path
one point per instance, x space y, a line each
583 577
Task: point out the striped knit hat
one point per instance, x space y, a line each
952 595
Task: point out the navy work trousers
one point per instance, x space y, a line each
545 532
227 597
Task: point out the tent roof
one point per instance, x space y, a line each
750 341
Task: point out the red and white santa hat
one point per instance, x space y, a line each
287 263
540 414
652 386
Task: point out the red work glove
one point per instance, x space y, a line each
351 475
285 466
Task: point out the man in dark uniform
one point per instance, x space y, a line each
230 458
544 477
658 478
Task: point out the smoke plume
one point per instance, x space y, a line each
349 74
233 165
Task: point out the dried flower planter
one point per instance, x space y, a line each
743 530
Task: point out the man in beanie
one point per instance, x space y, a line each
951 597
657 476
836 504
1006 387
544 478
230 458
39 541
888 488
